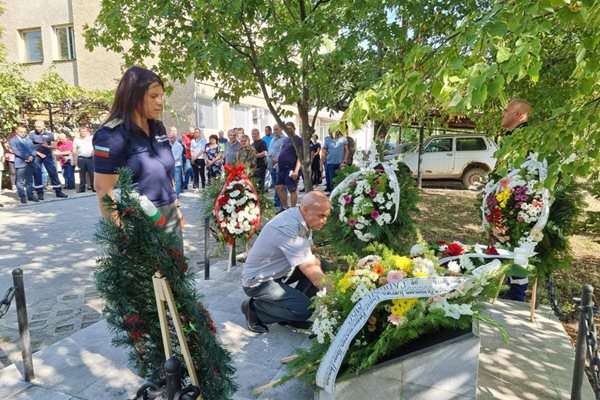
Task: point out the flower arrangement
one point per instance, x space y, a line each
237 209
515 208
396 322
368 200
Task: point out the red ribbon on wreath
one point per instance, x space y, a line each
223 198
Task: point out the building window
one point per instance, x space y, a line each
240 117
65 42
32 42
207 114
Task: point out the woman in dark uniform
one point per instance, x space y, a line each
132 136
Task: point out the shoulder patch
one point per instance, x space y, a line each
112 124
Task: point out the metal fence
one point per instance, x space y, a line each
17 292
586 352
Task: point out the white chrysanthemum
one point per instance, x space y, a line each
453 266
360 291
466 263
416 250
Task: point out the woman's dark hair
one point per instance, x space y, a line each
129 96
213 137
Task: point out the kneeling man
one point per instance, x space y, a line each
281 256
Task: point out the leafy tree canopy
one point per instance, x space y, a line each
543 50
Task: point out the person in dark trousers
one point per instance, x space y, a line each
44 145
261 158
281 256
23 149
83 151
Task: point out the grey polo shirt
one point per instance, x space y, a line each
274 149
283 244
230 150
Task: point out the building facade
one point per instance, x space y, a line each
43 34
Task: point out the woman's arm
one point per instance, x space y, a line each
105 184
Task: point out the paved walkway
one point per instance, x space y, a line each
537 363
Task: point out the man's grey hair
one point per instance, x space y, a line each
315 199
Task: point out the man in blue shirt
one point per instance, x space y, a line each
177 151
289 168
272 156
335 154
268 136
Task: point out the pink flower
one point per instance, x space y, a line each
395 275
519 218
347 199
373 193
374 214
394 319
537 204
353 183
377 181
352 222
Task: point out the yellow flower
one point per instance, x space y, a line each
344 283
402 263
503 197
421 274
402 306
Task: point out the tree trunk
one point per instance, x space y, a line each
304 153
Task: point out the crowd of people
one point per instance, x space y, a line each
31 160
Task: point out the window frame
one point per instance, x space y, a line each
477 138
204 101
23 35
442 151
70 38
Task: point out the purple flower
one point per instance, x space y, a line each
347 199
373 193
519 218
353 183
352 222
374 214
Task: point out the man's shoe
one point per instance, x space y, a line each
297 324
40 197
23 200
32 199
81 191
61 195
252 320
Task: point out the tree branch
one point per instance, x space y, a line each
234 46
317 4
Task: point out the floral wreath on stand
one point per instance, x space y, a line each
515 208
368 199
237 208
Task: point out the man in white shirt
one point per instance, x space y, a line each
197 149
83 157
177 150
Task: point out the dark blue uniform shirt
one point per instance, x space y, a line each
39 138
287 155
149 157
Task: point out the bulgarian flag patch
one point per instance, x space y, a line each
100 151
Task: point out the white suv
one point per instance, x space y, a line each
466 157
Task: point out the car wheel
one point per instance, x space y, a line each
474 178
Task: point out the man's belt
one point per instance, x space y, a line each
85 157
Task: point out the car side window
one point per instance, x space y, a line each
439 145
470 144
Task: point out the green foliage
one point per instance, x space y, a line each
134 251
71 106
534 49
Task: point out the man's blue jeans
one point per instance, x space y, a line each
178 179
329 174
276 200
68 172
275 301
189 173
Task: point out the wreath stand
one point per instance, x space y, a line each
163 294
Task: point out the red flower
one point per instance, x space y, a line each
222 200
491 250
455 249
440 243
